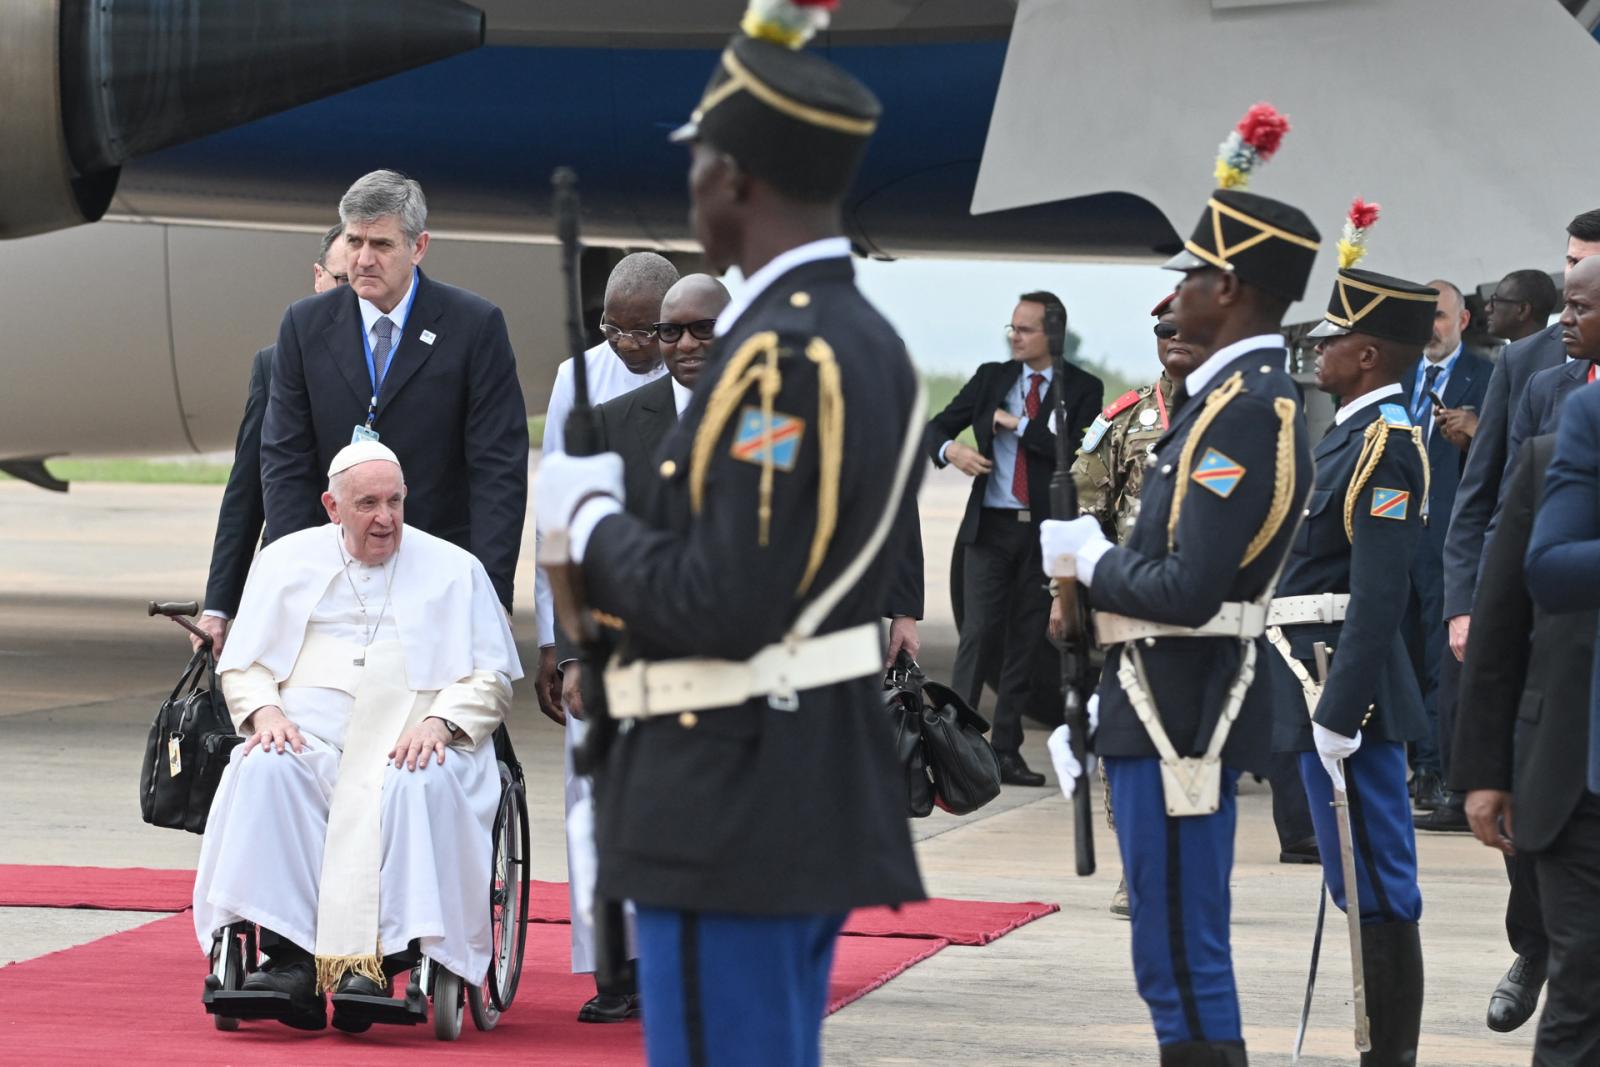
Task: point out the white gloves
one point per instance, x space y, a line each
1071 547
563 484
1068 769
1331 748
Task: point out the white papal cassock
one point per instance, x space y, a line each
334 848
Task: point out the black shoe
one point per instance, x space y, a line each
1013 771
1303 851
1513 1001
358 985
296 979
1430 792
1447 818
1204 1054
1391 957
610 1008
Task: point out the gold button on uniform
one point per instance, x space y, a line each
688 720
668 468
800 300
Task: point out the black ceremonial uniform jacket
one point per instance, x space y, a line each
1369 667
752 809
1235 520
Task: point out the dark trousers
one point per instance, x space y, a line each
1004 594
1291 812
725 989
1569 885
1424 632
1445 701
1524 915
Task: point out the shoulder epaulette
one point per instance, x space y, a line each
1395 415
1122 403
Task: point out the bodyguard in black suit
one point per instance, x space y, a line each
1520 757
1005 605
753 798
1179 603
242 514
1346 579
432 373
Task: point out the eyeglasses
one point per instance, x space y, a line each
1497 299
616 335
1021 331
1165 330
339 279
700 329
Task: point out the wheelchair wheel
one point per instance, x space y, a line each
509 887
227 963
447 1004
484 1014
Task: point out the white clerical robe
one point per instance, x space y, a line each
352 862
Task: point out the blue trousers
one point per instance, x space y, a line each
1177 871
723 990
1381 834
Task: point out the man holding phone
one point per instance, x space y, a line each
1443 395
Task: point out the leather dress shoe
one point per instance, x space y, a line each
1429 793
358 985
297 979
1304 850
1448 818
610 1008
1013 771
1513 1001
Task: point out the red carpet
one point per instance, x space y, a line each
135 995
959 922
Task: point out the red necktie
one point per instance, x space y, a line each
1019 473
1592 368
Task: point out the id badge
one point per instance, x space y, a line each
359 434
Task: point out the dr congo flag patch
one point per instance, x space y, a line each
1390 503
756 439
1218 473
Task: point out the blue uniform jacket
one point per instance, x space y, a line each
1370 669
1235 521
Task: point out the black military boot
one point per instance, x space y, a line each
1391 956
1204 1054
616 1002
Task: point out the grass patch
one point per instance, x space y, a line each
138 470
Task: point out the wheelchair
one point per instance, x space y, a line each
236 948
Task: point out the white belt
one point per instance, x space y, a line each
1318 607
1239 619
778 672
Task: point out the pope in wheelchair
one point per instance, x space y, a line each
369 667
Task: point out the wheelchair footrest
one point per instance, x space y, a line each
406 1011
252 1004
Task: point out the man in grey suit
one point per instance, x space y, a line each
242 514
1513 1001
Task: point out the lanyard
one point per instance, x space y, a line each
1161 406
372 367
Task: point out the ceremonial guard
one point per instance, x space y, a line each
1344 589
750 800
1182 603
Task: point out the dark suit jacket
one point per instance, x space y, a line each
240 518
1370 668
752 808
452 411
1524 712
1564 552
975 406
1468 383
1186 584
1479 489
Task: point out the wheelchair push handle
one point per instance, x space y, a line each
176 610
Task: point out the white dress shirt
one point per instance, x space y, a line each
1349 409
777 267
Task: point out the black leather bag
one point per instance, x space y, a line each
939 744
187 750
964 768
902 696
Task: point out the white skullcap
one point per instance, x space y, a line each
360 452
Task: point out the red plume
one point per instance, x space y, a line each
1262 128
1363 214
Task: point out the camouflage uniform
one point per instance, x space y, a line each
1109 470
1110 465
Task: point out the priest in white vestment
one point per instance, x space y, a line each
369 667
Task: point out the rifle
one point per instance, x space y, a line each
566 576
1075 647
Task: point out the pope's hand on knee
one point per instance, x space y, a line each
272 730
421 743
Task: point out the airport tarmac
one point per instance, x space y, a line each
82 670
